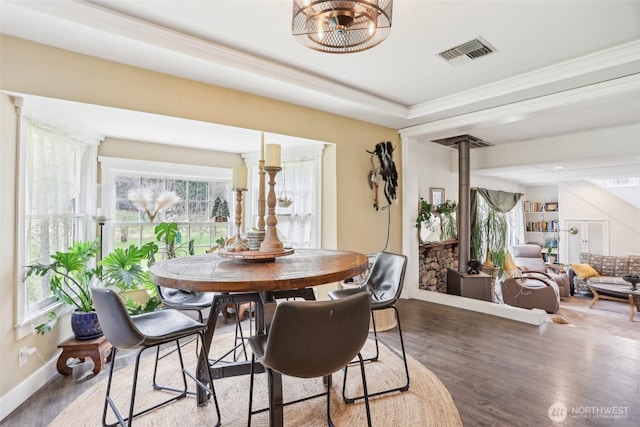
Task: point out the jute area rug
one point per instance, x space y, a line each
426 403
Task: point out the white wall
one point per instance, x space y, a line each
437 166
583 200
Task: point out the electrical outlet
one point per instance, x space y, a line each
23 355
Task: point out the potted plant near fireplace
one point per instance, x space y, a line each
448 228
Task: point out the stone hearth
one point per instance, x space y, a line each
435 259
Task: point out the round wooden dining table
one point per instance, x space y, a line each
214 273
260 281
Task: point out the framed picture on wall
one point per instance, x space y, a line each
437 196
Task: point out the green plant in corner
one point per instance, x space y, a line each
448 226
70 275
425 210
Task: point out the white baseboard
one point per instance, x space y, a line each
23 391
533 317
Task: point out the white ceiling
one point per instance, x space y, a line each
575 65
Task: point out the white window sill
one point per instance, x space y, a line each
28 325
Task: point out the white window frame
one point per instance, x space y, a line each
25 320
112 167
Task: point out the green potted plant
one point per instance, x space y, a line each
425 210
489 241
168 233
448 226
123 269
550 257
70 275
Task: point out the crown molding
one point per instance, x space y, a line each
108 21
520 110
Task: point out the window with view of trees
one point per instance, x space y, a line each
202 211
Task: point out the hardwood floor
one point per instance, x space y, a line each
499 372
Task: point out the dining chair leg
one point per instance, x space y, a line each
108 402
402 355
364 389
212 391
155 369
375 336
251 374
329 421
209 387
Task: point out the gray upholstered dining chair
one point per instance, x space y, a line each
384 283
198 302
142 332
309 339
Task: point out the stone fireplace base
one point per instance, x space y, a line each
435 259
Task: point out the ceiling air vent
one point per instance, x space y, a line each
468 51
455 140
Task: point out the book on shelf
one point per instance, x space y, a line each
543 226
530 206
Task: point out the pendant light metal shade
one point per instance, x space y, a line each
341 26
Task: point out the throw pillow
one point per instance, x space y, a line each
583 271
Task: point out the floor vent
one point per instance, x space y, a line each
455 140
467 52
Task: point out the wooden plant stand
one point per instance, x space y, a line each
95 349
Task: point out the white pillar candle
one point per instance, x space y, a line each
239 178
262 146
273 155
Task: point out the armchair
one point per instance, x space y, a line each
529 260
531 292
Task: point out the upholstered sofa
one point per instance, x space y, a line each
601 269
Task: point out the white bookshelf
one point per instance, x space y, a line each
541 211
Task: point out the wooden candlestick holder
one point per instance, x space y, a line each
271 242
261 195
238 244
